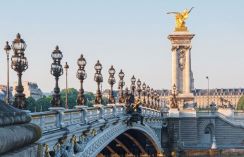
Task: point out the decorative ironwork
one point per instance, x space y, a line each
111 82
56 71
81 75
19 64
98 78
144 92
7 49
139 88
148 96
173 99
66 67
121 85
133 85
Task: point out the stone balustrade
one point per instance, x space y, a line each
54 120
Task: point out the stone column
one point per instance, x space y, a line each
187 87
174 67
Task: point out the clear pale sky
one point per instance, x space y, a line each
131 35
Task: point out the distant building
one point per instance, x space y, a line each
217 96
3 92
30 90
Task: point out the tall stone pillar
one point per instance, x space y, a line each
181 64
174 68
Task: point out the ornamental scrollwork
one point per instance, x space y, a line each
181 59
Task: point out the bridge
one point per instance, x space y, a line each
105 131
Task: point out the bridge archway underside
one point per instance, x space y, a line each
131 142
123 139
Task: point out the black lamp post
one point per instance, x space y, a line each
152 98
111 82
121 85
56 71
7 49
133 85
98 78
155 100
19 64
158 101
66 67
148 96
139 88
81 75
144 92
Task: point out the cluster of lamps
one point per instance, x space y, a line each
19 64
149 97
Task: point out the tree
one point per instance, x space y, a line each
43 103
72 96
240 104
31 104
90 98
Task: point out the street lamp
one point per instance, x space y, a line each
81 75
19 64
158 100
111 82
208 90
66 67
152 98
7 49
98 78
121 85
148 96
139 88
144 92
133 84
155 100
56 71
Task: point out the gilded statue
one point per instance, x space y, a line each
180 18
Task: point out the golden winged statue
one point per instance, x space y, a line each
180 18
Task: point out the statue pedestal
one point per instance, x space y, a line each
185 99
174 112
188 113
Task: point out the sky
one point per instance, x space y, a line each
130 35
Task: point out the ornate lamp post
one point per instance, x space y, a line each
152 98
56 71
155 100
111 82
121 85
133 84
66 67
81 75
19 64
98 78
158 101
148 96
7 49
139 88
144 92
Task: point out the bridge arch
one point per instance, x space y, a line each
102 140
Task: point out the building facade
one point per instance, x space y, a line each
220 97
3 92
30 90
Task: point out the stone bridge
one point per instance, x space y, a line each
98 131
105 131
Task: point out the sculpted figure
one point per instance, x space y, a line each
180 18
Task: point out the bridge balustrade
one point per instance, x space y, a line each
54 120
46 120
